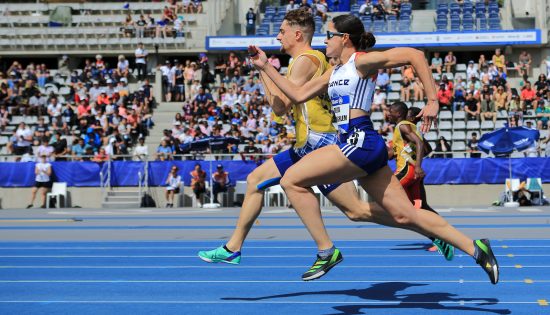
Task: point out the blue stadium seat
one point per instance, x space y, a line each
480 8
379 26
365 18
468 27
368 25
405 18
441 26
441 17
355 7
494 15
442 8
391 26
406 6
404 26
468 11
482 24
493 8
454 8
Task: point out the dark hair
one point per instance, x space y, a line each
302 18
353 26
401 108
414 111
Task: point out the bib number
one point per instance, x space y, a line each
357 138
340 108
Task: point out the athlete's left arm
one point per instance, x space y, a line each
368 64
410 136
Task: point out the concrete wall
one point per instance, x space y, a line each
438 196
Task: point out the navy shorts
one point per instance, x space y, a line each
364 146
286 159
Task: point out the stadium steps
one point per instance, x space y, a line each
124 199
164 114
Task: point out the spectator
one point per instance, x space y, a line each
292 6
524 64
43 182
500 97
450 62
515 105
220 182
488 109
444 96
198 6
418 89
250 22
78 149
383 80
482 62
528 97
320 8
123 67
198 183
473 146
129 26
63 65
164 151
24 140
167 80
45 149
101 156
543 115
472 70
472 107
499 60
140 26
140 150
305 4
366 8
442 149
179 81
4 117
405 89
378 100
173 183
541 86
437 62
379 11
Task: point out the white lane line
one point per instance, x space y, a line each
250 256
264 281
246 267
397 302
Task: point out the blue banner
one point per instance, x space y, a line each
125 173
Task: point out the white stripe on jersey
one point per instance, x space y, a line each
345 80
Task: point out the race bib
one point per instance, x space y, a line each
340 108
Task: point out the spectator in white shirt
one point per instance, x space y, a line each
378 100
43 172
24 139
123 66
173 183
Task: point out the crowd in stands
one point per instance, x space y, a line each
169 24
79 114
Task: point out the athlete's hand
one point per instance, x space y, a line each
257 56
429 115
419 172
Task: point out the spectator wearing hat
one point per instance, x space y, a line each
472 70
43 182
173 182
167 80
220 180
378 100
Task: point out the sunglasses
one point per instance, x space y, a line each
332 34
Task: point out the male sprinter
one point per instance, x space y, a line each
408 151
314 130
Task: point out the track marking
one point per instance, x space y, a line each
266 302
241 267
262 281
542 302
528 281
518 266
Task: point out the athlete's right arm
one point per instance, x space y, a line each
303 70
296 93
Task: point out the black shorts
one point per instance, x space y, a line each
43 184
21 150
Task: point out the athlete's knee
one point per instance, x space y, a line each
403 218
252 180
359 213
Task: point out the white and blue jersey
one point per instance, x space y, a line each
359 142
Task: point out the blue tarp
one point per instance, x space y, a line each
124 173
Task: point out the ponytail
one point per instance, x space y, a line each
366 41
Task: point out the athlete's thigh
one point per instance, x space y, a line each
265 171
327 165
386 190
